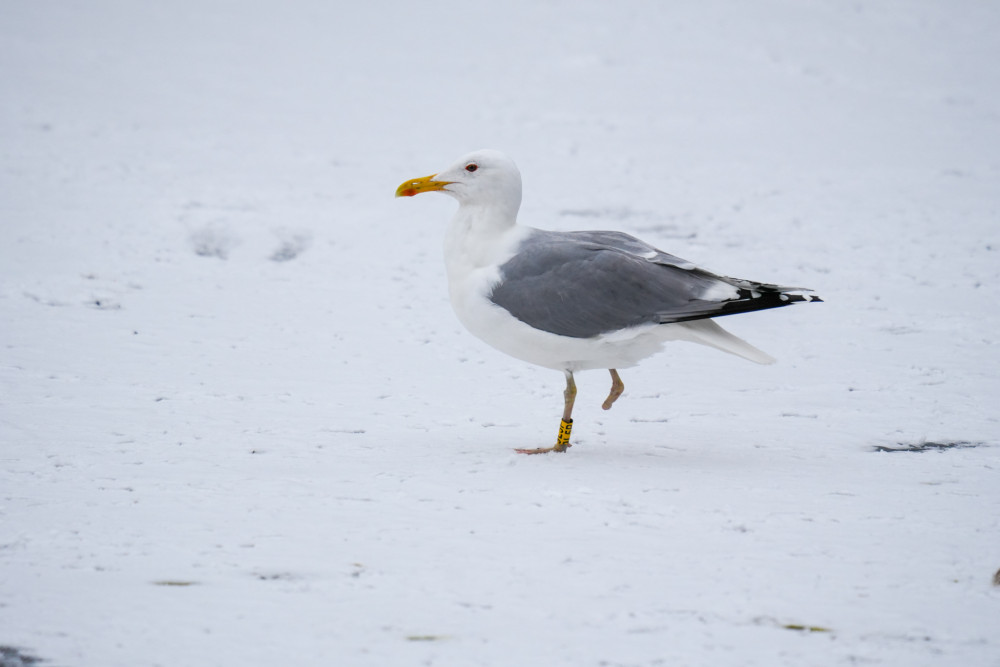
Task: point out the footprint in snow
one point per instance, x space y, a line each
15 657
213 241
291 246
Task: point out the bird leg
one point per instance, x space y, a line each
617 387
565 426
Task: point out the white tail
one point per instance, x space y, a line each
707 332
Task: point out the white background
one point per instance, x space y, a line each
228 360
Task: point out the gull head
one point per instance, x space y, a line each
482 178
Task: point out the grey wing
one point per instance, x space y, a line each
582 284
625 243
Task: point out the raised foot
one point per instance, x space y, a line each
545 450
617 387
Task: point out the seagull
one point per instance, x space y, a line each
574 301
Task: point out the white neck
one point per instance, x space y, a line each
479 236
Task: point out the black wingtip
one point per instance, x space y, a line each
786 296
761 297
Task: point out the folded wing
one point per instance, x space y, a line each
583 284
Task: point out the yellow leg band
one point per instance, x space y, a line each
565 428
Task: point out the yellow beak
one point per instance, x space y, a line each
418 185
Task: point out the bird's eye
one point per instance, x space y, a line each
471 167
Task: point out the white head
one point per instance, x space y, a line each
486 178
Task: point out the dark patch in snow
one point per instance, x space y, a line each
799 627
15 657
275 576
175 582
104 304
291 247
213 242
805 628
928 446
996 578
44 301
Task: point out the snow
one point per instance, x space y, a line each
239 423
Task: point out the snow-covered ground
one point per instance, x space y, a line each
239 424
